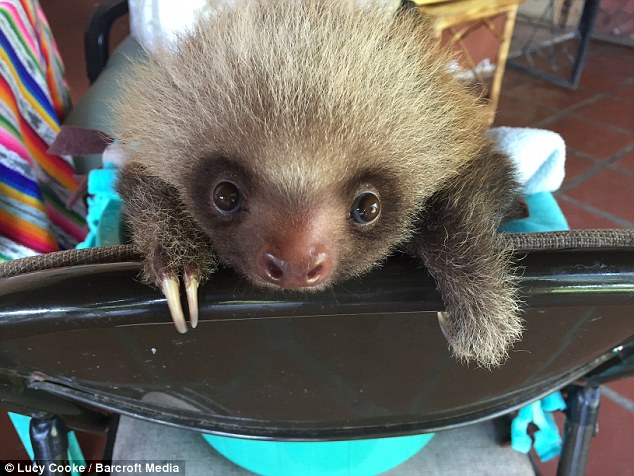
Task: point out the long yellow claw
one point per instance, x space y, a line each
191 289
170 286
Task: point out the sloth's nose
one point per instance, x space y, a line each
296 266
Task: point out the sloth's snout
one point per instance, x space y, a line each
295 266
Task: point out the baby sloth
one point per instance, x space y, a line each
301 143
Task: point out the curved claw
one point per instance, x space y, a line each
169 286
191 289
443 321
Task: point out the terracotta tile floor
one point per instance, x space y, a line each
597 122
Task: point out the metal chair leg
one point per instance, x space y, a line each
49 438
581 425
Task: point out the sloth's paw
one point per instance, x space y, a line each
484 337
167 275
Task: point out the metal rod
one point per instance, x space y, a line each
581 423
49 438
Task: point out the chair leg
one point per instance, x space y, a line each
49 438
581 425
500 66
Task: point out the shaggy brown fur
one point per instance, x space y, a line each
303 106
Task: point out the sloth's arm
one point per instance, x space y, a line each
457 241
173 246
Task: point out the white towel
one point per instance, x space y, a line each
538 154
158 23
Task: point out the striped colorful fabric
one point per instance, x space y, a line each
34 185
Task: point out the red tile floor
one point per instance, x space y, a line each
597 123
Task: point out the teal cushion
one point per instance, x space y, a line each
328 458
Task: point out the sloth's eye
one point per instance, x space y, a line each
226 197
365 208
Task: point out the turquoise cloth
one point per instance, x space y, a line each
544 215
104 209
546 441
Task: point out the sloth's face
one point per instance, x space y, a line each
297 234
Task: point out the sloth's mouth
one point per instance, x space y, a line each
306 288
316 279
